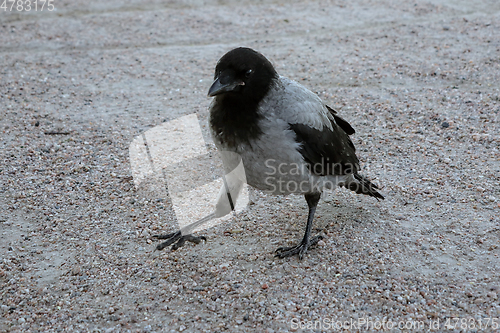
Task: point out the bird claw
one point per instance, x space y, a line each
178 239
299 249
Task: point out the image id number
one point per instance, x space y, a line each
27 5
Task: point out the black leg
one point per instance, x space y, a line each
301 249
178 239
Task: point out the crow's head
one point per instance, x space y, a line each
243 73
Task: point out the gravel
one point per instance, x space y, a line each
419 83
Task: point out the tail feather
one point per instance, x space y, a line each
361 185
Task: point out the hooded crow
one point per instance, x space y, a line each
288 139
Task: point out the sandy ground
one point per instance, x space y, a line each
419 81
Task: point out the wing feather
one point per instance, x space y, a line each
328 152
323 135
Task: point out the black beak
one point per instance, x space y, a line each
224 83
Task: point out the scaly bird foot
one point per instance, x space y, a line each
178 239
299 249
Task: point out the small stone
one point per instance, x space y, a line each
445 124
76 270
264 286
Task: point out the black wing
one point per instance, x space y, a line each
341 122
328 152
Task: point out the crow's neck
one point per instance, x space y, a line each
234 120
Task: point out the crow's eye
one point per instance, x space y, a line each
248 72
